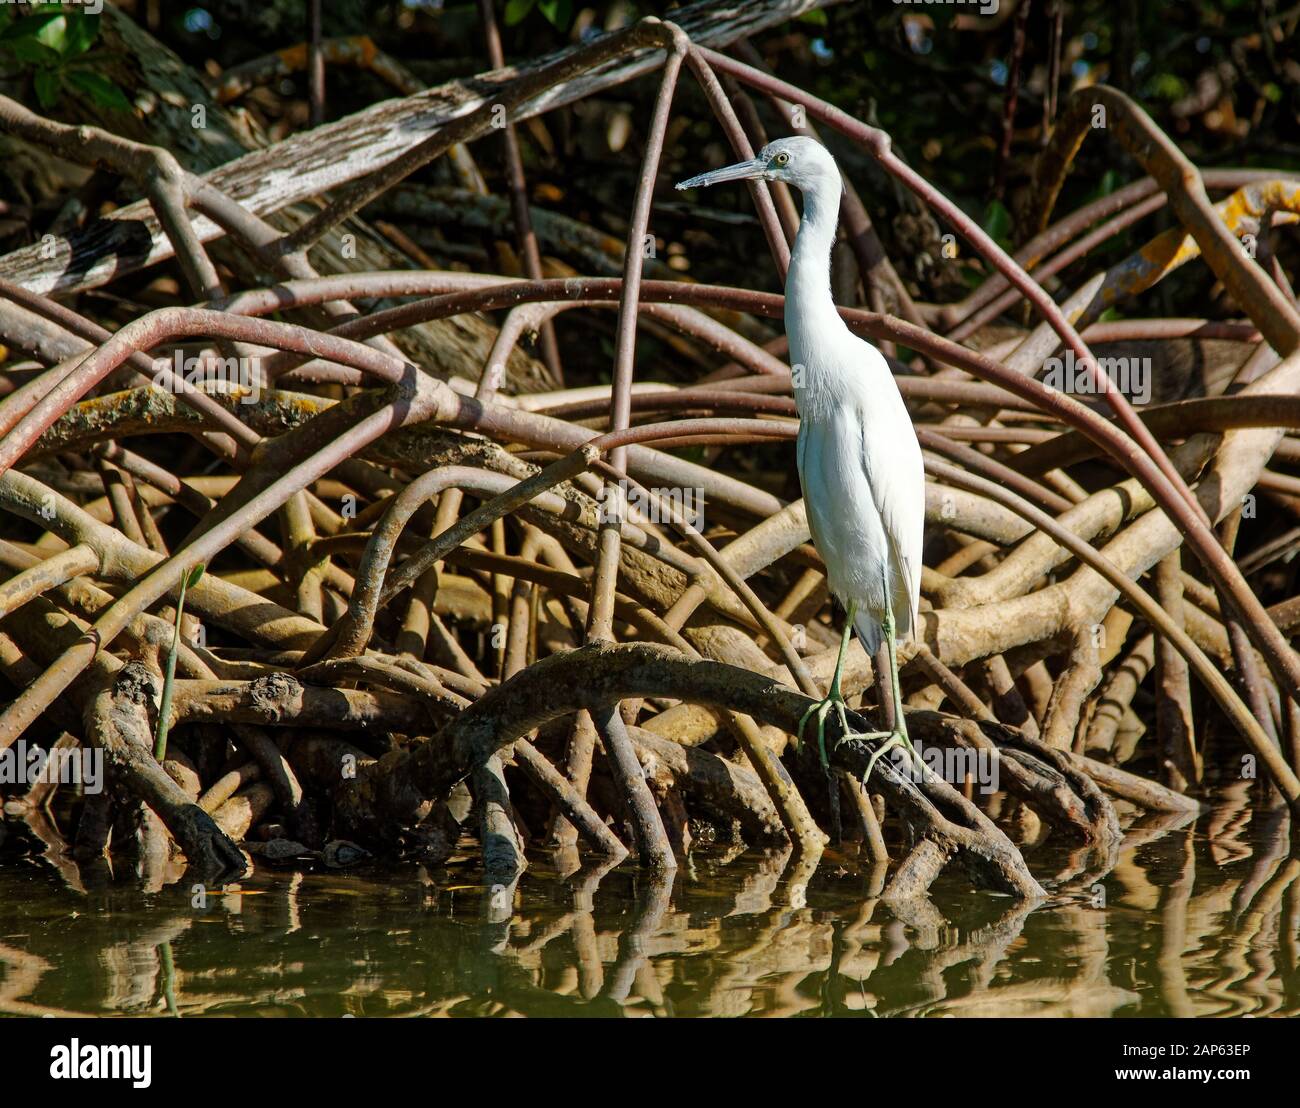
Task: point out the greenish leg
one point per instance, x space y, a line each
834 698
898 736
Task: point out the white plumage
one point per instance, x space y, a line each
859 462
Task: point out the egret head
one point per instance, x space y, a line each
798 161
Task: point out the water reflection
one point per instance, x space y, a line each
1198 917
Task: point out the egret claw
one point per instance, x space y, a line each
892 739
895 739
821 709
844 719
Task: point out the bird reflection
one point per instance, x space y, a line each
1194 916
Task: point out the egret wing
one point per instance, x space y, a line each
891 460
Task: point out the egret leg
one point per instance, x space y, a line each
898 736
834 698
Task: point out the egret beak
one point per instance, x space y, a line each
741 171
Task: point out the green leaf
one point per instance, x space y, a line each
193 577
1168 86
558 12
82 31
49 29
30 25
516 10
47 87
997 222
99 89
816 17
30 51
1110 181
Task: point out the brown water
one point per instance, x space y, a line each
1197 919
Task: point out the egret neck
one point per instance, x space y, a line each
810 313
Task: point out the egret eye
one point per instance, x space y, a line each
782 159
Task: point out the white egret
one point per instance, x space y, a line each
859 461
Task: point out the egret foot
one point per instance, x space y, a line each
834 698
821 709
891 740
